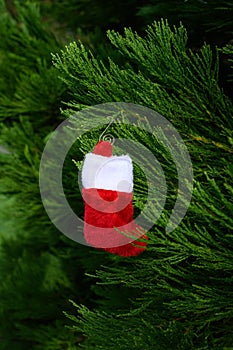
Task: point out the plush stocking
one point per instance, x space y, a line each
107 192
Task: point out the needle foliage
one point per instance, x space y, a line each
56 294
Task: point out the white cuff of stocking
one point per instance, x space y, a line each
110 173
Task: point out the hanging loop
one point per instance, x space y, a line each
107 137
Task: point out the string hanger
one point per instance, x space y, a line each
107 137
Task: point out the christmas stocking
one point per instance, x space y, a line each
107 192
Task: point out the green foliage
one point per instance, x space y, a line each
203 16
206 21
34 276
28 83
228 50
177 295
158 64
207 18
38 265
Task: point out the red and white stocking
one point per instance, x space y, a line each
107 192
